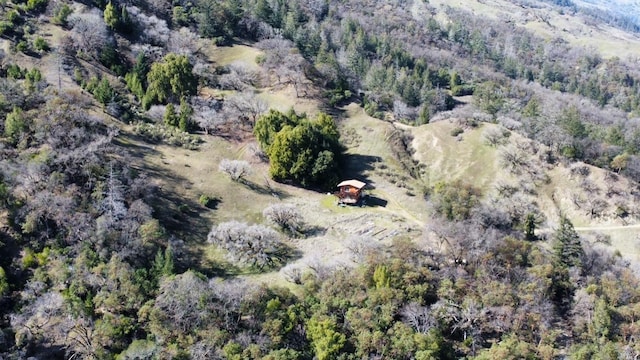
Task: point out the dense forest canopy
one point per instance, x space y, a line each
100 262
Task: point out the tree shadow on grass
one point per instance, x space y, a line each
356 166
180 215
313 231
265 189
373 201
286 254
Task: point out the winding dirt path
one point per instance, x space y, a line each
607 227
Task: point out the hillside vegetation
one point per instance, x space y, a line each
167 169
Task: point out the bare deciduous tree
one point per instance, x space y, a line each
419 317
276 51
512 158
236 169
179 305
208 114
401 111
154 30
183 42
361 247
293 273
247 105
90 33
495 136
239 77
254 245
286 216
42 320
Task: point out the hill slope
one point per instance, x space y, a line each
551 22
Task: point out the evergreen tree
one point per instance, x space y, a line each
104 92
530 226
326 340
125 24
4 283
567 247
264 12
111 16
186 111
170 117
305 151
169 80
134 84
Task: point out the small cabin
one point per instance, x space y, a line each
350 191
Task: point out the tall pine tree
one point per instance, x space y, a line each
567 247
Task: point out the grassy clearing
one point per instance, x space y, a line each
624 240
284 98
225 55
184 175
371 159
450 157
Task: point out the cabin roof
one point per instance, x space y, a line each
354 183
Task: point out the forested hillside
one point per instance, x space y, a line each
164 169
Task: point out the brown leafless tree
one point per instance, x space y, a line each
253 245
286 216
236 169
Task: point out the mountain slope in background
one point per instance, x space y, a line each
624 9
568 23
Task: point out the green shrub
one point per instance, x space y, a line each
104 92
208 201
5 27
180 16
61 14
34 75
14 17
456 131
454 200
36 5
78 77
167 134
29 260
462 90
15 72
43 256
22 46
40 44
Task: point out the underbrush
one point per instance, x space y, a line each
170 135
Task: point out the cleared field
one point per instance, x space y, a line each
448 157
625 239
225 55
